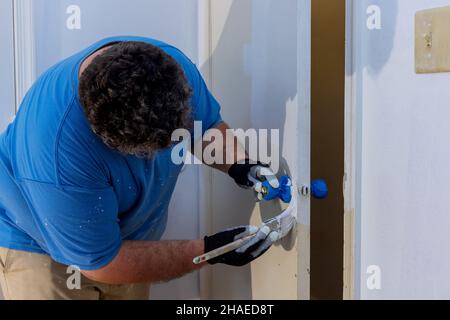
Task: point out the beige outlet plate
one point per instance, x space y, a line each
433 40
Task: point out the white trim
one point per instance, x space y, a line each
205 173
353 162
304 141
204 39
7 92
350 160
24 49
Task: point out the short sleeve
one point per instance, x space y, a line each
78 226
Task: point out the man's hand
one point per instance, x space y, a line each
263 238
272 230
251 175
238 257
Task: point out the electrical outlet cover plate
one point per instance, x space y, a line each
433 40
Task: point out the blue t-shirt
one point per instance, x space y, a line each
63 192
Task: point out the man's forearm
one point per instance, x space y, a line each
232 149
147 262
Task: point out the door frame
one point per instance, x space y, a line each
352 178
7 95
303 174
205 176
24 48
304 152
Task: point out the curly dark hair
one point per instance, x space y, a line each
134 96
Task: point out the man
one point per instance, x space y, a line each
86 174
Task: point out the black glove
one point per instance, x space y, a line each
232 258
239 172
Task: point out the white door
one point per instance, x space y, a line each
260 72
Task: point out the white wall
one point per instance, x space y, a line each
403 215
7 100
173 21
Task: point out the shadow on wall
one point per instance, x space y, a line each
370 54
273 63
254 67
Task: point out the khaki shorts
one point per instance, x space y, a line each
32 276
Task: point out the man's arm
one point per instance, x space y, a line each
150 261
236 152
147 262
246 171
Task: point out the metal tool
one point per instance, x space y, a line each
222 250
282 224
265 189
